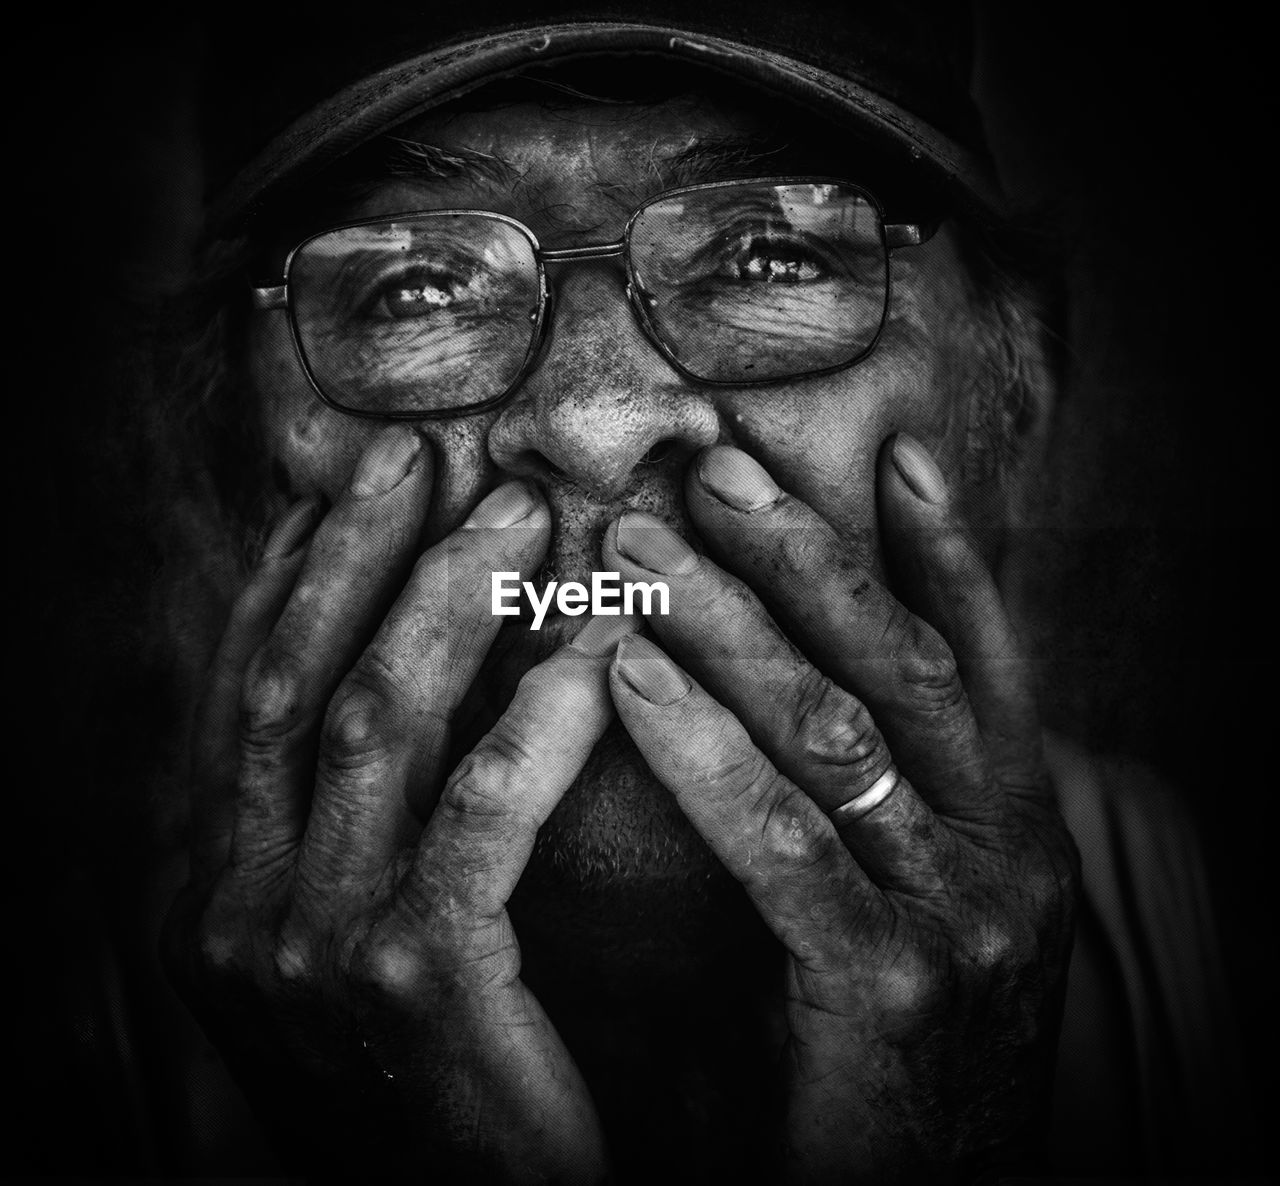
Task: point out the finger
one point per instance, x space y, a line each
897 838
944 579
770 836
215 734
357 558
813 731
446 943
848 624
816 733
479 839
387 729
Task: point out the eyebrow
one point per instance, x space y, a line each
721 158
704 160
419 161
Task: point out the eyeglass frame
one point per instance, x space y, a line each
892 236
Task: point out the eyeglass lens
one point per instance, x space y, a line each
739 283
761 282
422 314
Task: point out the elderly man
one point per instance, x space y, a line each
778 886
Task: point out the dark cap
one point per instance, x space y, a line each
288 102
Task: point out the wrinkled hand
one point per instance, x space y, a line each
880 795
357 970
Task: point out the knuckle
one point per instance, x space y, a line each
1050 878
384 968
743 772
795 833
297 956
911 988
215 950
391 973
270 702
480 789
505 751
218 951
1042 888
352 735
926 665
831 727
385 665
994 946
417 901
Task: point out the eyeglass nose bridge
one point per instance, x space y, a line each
591 251
568 255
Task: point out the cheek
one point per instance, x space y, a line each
820 437
312 448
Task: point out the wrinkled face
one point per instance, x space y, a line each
604 422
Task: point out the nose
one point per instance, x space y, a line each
602 399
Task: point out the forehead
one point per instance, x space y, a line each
588 138
571 164
568 168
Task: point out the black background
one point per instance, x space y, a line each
1141 133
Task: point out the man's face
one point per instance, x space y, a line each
604 423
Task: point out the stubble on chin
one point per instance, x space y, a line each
616 824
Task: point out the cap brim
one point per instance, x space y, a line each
383 100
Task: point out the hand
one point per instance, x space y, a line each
357 969
882 799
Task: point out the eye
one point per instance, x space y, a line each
773 261
415 294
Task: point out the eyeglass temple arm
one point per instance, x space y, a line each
907 234
270 298
897 234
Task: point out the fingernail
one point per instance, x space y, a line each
914 465
650 542
649 672
292 529
384 464
601 635
506 505
737 479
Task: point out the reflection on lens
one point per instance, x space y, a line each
751 282
433 312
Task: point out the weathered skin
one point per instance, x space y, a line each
909 966
602 399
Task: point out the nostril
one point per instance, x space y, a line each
657 454
530 463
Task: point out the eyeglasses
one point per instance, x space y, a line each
444 312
